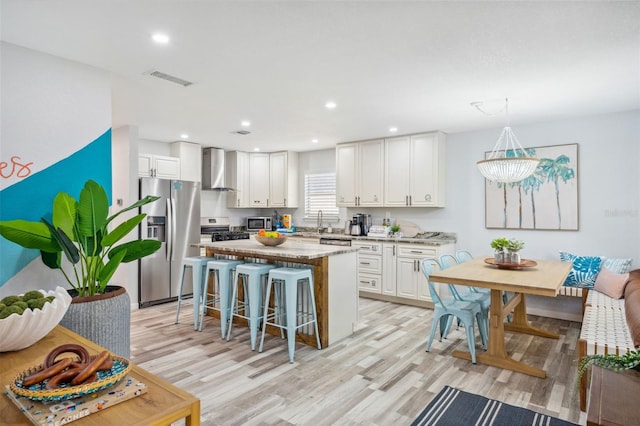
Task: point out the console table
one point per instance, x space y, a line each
163 403
613 397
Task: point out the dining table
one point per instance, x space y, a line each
535 277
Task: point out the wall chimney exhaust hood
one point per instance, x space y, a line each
213 170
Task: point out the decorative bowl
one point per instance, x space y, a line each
39 391
21 331
271 241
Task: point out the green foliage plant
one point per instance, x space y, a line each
499 244
514 245
79 229
614 362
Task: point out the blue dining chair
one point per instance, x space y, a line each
444 310
463 256
467 293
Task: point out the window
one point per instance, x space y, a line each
320 194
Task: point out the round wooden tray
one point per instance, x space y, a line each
524 263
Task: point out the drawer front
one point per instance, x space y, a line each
370 283
370 264
415 250
368 247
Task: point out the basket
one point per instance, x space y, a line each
39 392
270 241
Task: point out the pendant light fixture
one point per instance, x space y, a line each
508 164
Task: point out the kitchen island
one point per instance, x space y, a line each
335 280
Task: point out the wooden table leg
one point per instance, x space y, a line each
496 354
521 324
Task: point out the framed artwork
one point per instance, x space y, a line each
546 200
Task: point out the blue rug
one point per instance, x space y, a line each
453 407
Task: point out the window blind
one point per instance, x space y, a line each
320 194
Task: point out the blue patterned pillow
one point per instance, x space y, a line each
619 266
584 271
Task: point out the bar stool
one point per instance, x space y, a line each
197 265
222 271
252 275
290 279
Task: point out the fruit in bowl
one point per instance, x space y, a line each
270 238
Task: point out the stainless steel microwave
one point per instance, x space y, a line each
256 223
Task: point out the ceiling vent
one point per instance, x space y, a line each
170 78
241 132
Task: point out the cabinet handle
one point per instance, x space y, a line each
427 197
365 263
406 200
394 250
267 201
410 200
285 201
415 251
355 201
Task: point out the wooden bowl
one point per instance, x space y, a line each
271 241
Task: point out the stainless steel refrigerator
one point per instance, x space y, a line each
175 220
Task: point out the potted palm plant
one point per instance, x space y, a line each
77 241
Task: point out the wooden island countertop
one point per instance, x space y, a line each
335 280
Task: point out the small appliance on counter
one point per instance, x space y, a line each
360 224
256 223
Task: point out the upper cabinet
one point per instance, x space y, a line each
158 166
283 179
262 179
406 171
259 179
414 172
237 177
190 155
359 178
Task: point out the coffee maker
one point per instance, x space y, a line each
360 224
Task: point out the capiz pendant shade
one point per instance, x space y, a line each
508 165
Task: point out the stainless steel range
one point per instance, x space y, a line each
218 229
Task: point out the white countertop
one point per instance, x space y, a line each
288 250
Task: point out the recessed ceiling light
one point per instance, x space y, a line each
160 38
330 105
245 123
184 136
256 149
393 129
314 140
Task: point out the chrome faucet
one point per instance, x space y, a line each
319 220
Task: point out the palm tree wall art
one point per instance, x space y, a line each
546 200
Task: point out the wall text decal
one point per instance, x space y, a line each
16 168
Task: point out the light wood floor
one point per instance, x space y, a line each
381 375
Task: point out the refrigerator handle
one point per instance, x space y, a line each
173 228
169 230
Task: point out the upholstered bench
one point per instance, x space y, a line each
609 325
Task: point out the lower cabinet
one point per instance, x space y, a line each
392 271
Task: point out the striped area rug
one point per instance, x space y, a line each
453 407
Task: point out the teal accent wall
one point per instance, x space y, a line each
31 198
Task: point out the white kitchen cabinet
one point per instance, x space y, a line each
359 174
237 177
259 179
158 166
400 273
190 155
369 266
414 172
389 266
283 179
